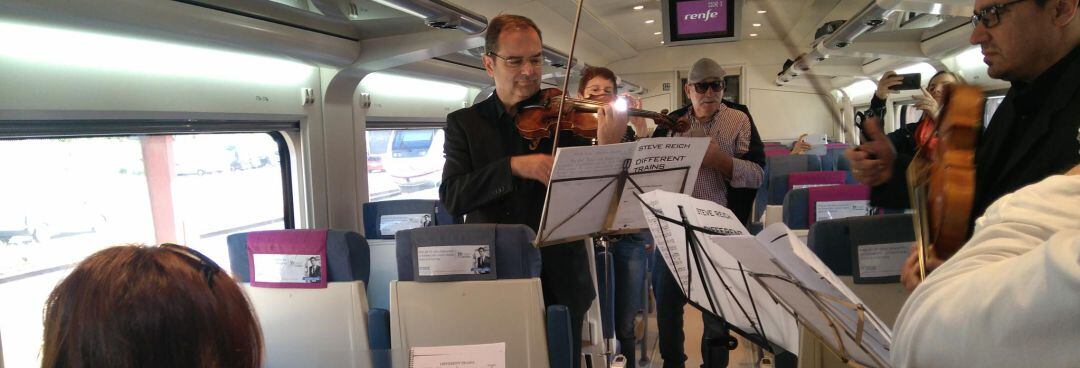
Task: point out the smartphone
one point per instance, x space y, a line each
911 81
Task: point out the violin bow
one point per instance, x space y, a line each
566 79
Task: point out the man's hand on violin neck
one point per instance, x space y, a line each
872 161
536 166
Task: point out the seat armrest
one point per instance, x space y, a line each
559 339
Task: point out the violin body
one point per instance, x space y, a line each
538 120
941 178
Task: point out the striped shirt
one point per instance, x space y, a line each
730 129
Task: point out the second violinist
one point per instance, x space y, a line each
492 175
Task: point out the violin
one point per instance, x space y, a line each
536 121
941 177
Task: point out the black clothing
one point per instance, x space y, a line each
740 200
1031 136
477 182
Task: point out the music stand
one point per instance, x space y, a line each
701 261
606 198
814 296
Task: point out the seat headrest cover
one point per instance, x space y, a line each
515 257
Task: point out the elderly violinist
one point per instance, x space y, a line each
725 165
1035 45
493 175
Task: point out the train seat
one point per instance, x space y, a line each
775 174
833 153
837 242
381 221
508 309
317 327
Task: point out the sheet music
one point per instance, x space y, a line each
779 326
660 155
568 197
778 252
589 161
584 181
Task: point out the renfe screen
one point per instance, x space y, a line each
699 20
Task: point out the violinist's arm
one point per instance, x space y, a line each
464 187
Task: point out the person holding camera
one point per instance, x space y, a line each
1036 47
904 141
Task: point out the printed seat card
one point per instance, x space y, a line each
459 356
454 263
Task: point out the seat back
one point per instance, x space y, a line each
776 151
314 327
384 218
795 209
834 241
381 221
348 257
833 153
508 309
515 257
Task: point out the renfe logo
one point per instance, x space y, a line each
704 16
708 14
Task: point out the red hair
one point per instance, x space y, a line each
138 306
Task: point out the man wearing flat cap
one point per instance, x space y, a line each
727 165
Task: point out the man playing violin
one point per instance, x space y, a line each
492 175
726 165
1035 44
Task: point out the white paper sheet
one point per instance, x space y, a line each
582 172
287 268
882 260
731 295
832 210
778 252
453 260
817 143
803 186
459 356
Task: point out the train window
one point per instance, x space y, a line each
404 163
66 198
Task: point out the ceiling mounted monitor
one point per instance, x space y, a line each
700 21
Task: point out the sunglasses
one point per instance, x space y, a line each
204 264
703 87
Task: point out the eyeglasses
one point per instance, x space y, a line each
518 61
990 16
206 266
703 87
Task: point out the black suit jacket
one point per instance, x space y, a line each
1021 145
477 181
740 200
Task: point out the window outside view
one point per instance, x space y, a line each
404 163
66 198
